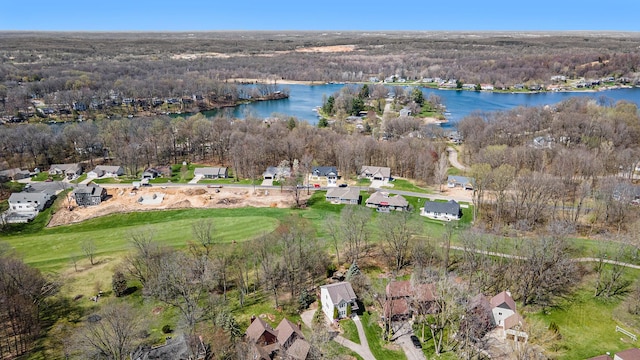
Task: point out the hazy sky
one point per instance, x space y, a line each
202 15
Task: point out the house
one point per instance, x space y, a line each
343 195
486 87
629 354
28 202
404 299
336 300
151 173
329 173
15 174
25 206
404 112
461 181
89 195
505 316
177 348
211 172
276 173
375 173
70 171
448 211
286 341
79 106
385 203
105 171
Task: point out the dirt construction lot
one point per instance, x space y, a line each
125 200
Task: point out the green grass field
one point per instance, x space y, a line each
586 325
406 185
350 330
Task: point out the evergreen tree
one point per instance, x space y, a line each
417 96
353 271
119 284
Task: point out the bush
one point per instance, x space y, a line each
331 269
166 329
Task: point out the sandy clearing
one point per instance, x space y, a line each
124 200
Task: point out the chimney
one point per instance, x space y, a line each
253 317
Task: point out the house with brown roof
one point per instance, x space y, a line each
382 202
338 299
286 341
505 316
629 354
404 300
375 173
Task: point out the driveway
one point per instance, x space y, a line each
376 184
402 337
195 179
267 182
453 159
361 349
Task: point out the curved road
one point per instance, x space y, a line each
453 159
586 259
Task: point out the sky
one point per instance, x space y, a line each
371 15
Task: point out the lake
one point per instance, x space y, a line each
304 98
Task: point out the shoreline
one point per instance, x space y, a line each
313 82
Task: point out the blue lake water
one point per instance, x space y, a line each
304 98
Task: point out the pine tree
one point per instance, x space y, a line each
352 272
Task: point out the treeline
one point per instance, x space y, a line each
73 67
248 146
534 165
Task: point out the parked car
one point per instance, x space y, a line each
342 185
214 186
416 342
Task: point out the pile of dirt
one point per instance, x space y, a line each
180 204
192 192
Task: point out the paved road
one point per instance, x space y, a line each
402 337
453 159
586 259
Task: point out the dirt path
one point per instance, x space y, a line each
453 159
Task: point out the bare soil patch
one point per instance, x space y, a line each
125 200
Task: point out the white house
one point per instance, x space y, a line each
375 173
211 172
337 296
506 317
447 211
330 173
25 206
71 171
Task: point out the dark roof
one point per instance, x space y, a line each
450 207
324 170
89 189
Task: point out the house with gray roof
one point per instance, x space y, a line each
105 171
25 206
375 173
70 171
382 202
460 181
343 195
15 174
447 211
89 195
328 173
339 296
276 173
211 172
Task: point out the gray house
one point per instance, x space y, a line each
375 172
70 171
343 195
151 173
330 173
211 172
15 174
461 181
89 195
106 171
447 211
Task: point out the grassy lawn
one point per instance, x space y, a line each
230 181
586 325
350 330
118 180
363 182
373 332
43 175
52 248
406 185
